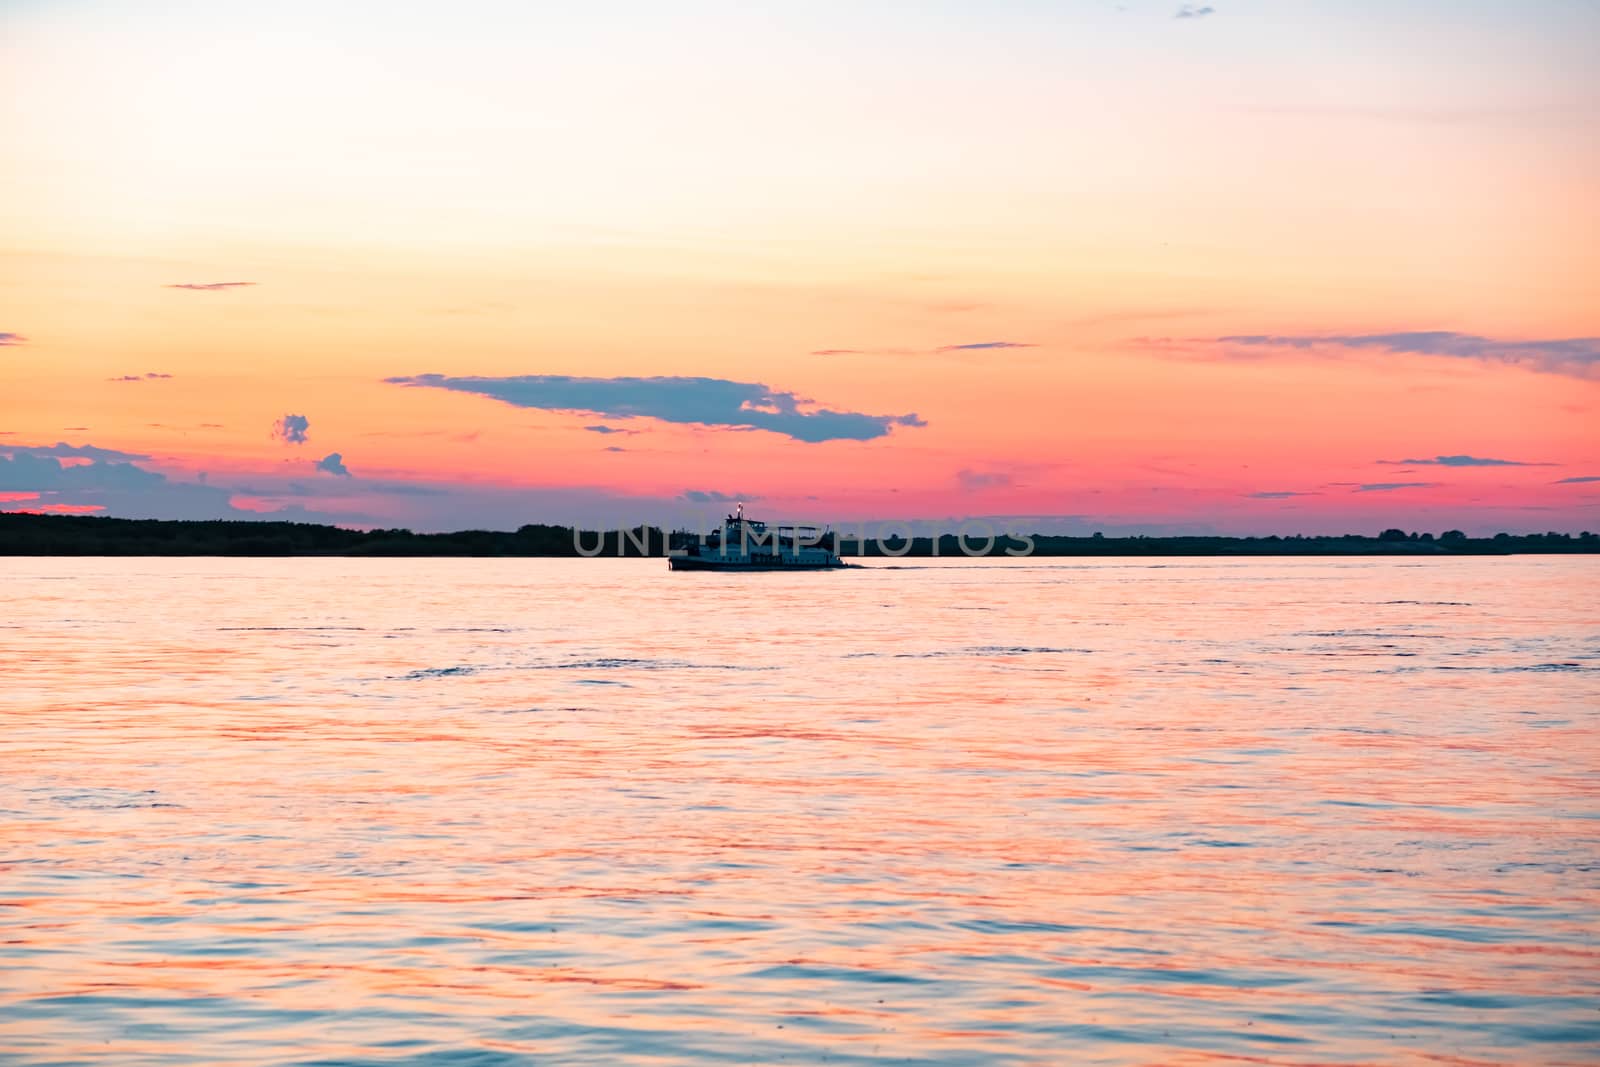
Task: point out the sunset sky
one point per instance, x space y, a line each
1268 266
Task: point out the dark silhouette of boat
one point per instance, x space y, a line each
742 544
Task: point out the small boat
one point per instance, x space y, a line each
743 544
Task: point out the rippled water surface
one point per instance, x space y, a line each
493 812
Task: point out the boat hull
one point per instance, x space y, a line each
711 563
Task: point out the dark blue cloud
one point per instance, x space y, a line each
333 463
32 473
1385 487
129 491
1190 11
161 499
292 429
699 401
11 338
608 429
1275 494
1461 461
981 345
1580 480
1570 355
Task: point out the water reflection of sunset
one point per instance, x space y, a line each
1126 813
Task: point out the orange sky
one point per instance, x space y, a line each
1394 205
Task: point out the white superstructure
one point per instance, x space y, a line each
749 544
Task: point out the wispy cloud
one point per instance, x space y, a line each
462 437
1461 461
11 339
1581 479
1276 494
333 463
63 450
209 287
1578 356
292 429
608 429
975 481
321 488
714 402
711 496
1190 11
1389 487
1513 115
978 346
974 346
149 377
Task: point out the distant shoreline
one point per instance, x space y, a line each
25 534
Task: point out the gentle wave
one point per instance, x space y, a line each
1269 812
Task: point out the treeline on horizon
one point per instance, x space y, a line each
27 534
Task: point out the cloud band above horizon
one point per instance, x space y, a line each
715 402
1578 356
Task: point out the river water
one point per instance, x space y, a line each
497 812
